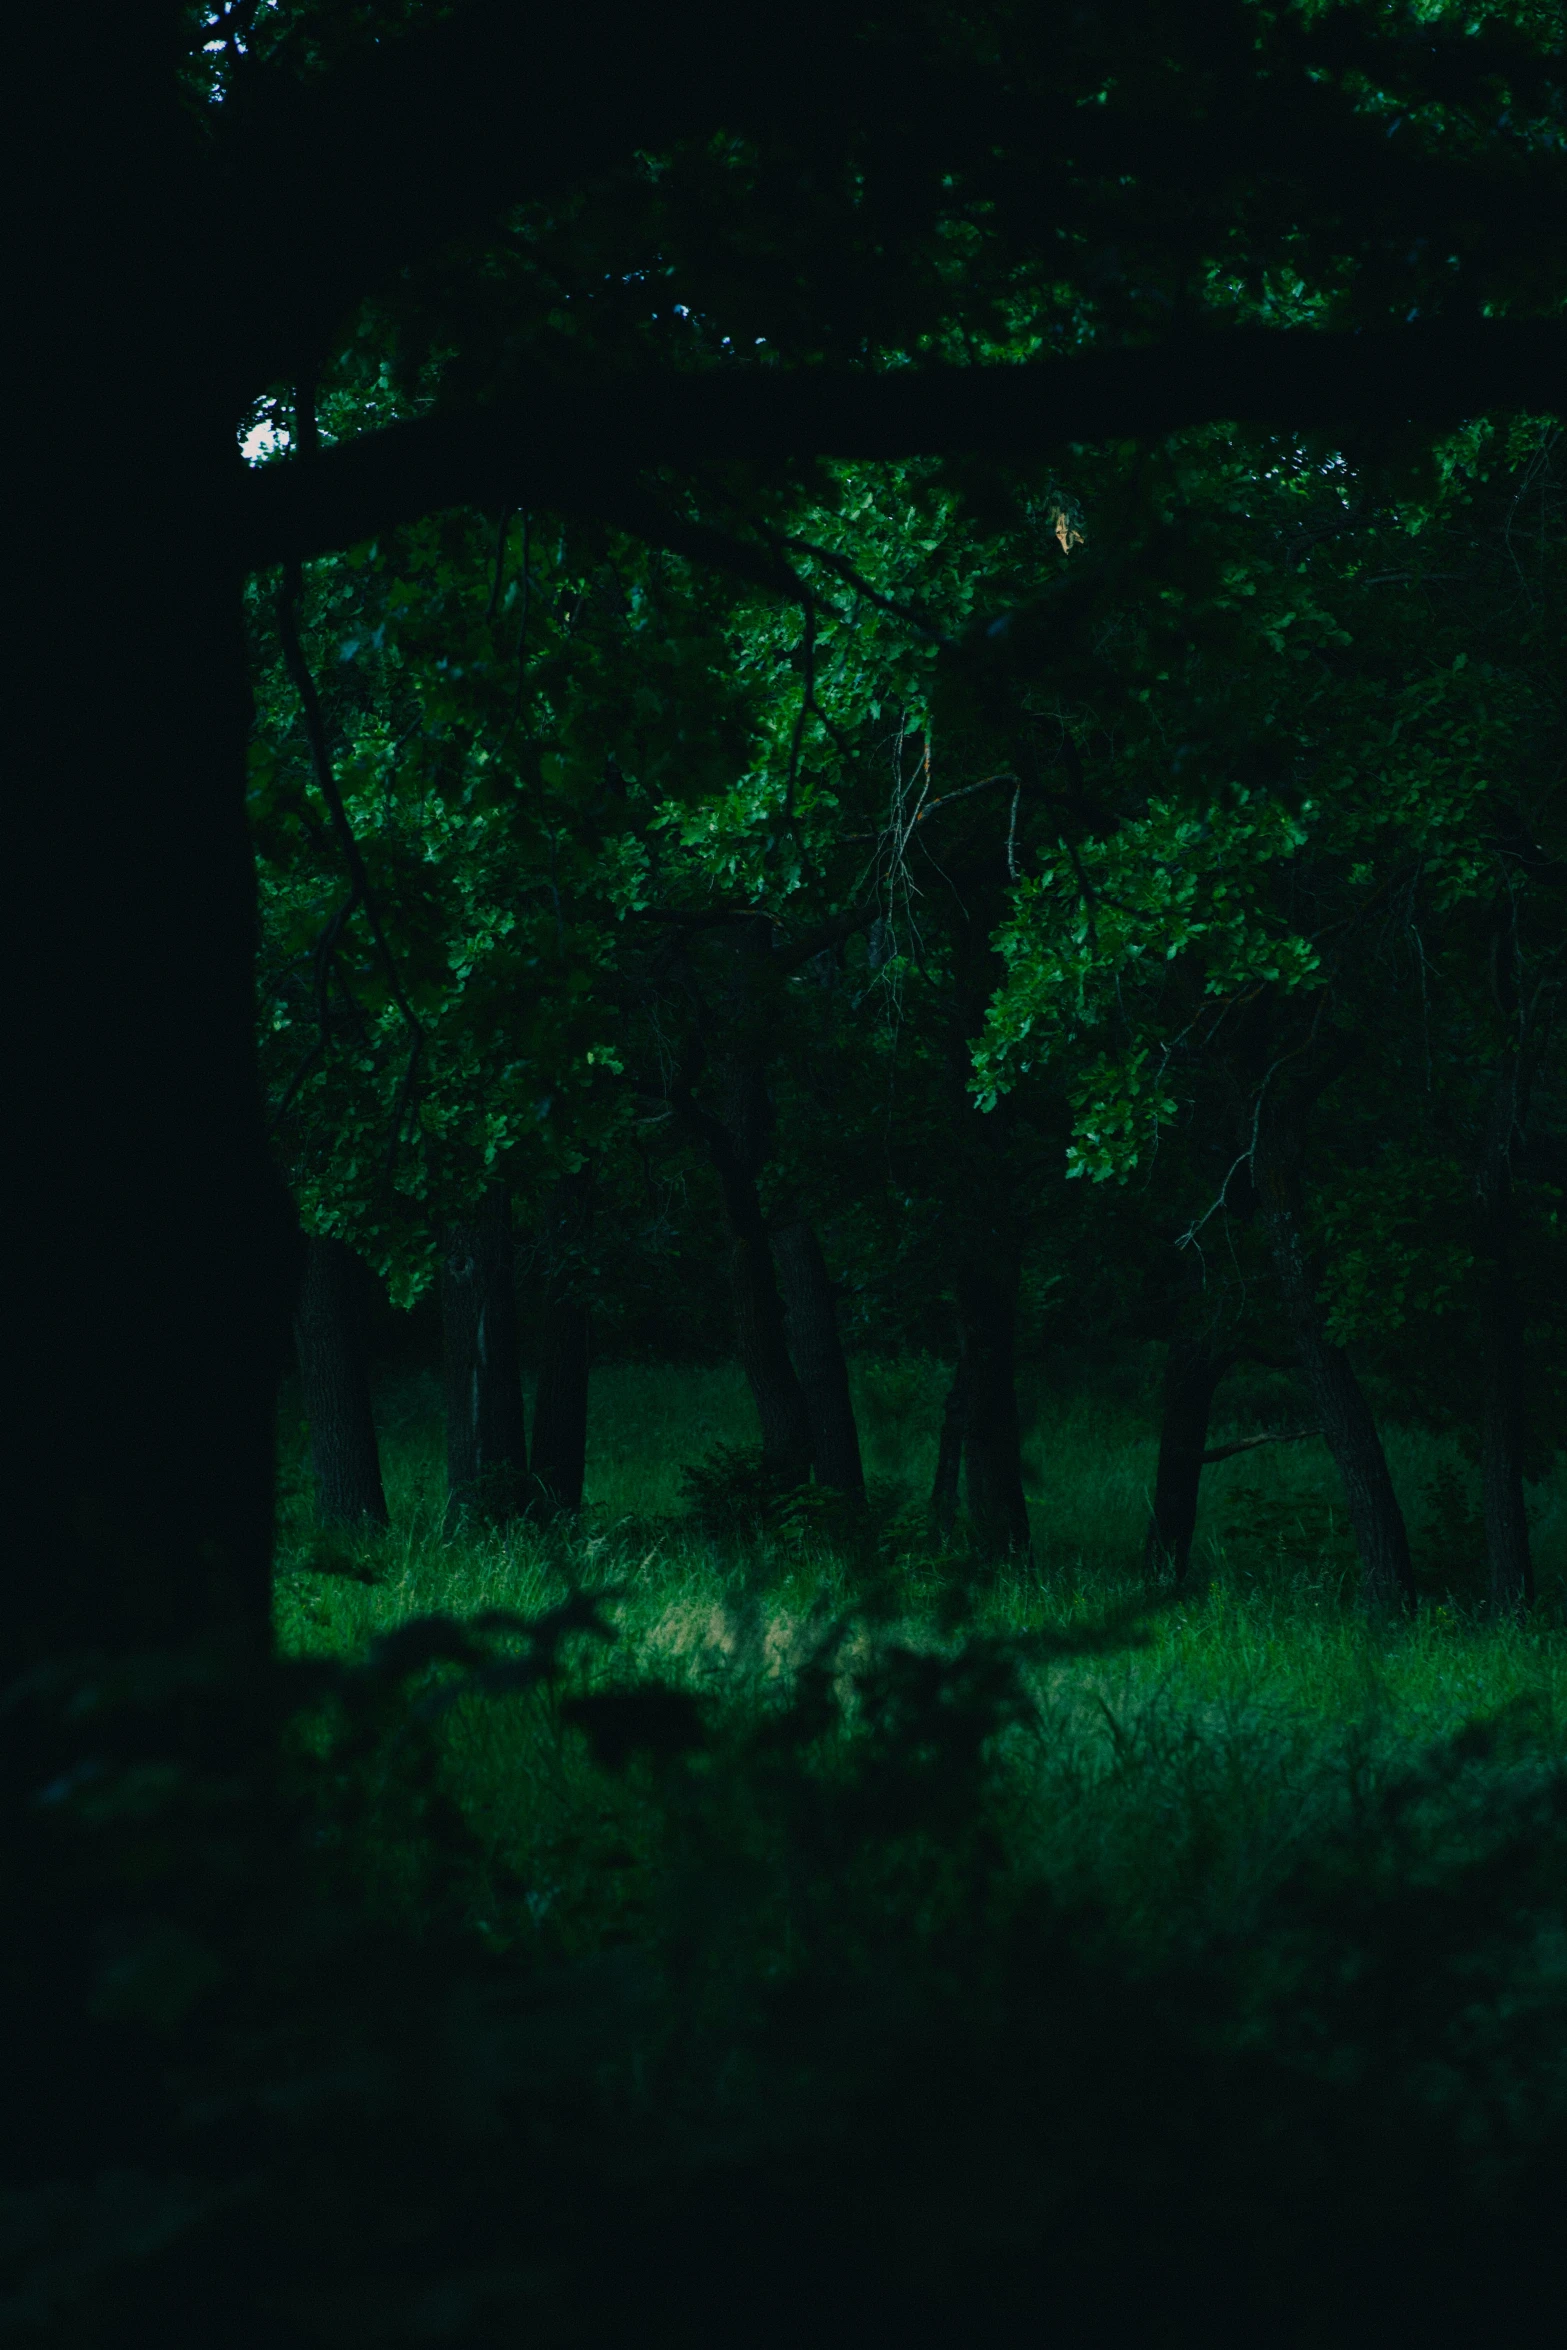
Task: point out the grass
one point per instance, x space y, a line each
1175 1776
852 1950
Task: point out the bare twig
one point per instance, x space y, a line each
1224 1452
846 571
360 894
322 955
807 704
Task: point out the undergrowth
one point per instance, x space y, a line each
665 1930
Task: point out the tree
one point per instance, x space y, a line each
1286 863
334 1378
159 1234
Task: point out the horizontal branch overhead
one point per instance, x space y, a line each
580 448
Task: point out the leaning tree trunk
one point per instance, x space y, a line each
1381 1538
1192 1371
334 1374
992 1438
486 1447
811 1326
1501 1361
949 1460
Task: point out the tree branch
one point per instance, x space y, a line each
579 447
360 895
1224 1452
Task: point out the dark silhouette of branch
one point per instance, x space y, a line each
580 447
1224 1452
697 917
845 570
924 814
360 894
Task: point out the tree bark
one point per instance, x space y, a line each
150 1290
560 1408
949 1459
1507 1542
781 1409
486 1446
1381 1538
334 1373
992 1438
811 1327
1192 1371
560 1405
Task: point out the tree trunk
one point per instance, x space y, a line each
738 1144
811 1325
150 1287
1501 1360
334 1373
560 1408
1381 1538
1192 1372
781 1410
992 1440
949 1460
486 1447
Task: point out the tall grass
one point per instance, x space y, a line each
859 1947
1175 1774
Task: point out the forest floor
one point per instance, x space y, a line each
1185 1749
935 1949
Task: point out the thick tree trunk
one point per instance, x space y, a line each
1192 1371
150 1283
1501 1360
992 1439
811 1327
1381 1538
486 1447
334 1374
949 1460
